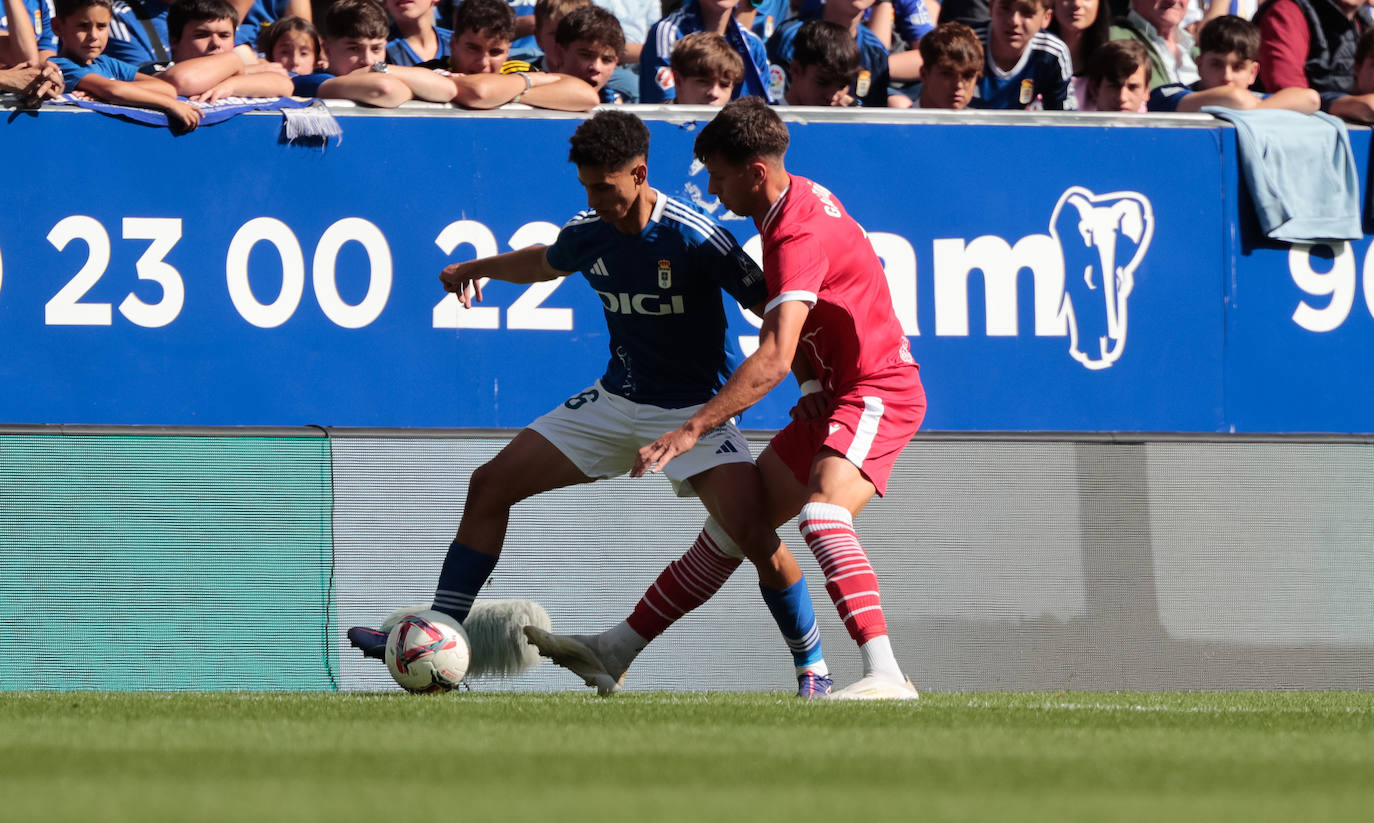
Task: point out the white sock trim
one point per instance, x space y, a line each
722 540
826 511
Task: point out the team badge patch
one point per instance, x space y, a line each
664 77
777 81
665 274
862 84
1027 91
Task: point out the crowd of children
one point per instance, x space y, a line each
1148 56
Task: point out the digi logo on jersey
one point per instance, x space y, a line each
650 304
1103 238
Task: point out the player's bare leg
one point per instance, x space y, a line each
527 466
827 504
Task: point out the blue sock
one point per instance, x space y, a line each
791 608
464 572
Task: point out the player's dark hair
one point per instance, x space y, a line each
1364 46
593 24
1117 61
707 54
1229 34
744 130
189 11
361 19
609 140
66 8
831 48
544 9
270 33
952 42
495 17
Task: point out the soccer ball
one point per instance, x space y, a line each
427 651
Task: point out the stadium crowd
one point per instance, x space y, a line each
1135 56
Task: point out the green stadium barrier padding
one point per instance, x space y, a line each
168 563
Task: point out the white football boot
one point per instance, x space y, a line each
577 654
877 687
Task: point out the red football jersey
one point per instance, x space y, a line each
815 252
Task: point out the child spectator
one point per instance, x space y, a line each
1358 106
261 14
547 15
1026 67
953 60
205 66
355 50
83 29
414 36
1118 78
825 64
1228 64
482 34
705 69
655 72
588 45
870 88
294 44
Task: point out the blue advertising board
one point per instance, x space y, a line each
228 278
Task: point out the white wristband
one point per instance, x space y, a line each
811 387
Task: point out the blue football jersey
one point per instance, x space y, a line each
870 88
661 292
1043 73
138 32
41 14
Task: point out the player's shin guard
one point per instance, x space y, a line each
849 577
796 619
464 572
688 582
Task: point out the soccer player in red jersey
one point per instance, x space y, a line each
829 319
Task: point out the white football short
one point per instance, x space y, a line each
601 433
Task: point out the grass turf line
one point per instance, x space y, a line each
667 757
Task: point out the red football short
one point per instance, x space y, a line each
869 426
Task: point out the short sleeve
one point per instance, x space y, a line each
568 249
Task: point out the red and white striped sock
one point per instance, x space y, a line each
849 578
688 582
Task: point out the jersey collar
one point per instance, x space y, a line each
775 208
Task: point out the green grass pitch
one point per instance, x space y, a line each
475 756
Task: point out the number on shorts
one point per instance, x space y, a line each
577 401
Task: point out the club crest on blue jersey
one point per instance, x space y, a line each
665 274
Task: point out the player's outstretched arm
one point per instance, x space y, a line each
527 265
755 377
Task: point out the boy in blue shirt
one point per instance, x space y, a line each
414 36
83 28
355 47
655 61
588 45
1026 66
205 65
1227 65
870 88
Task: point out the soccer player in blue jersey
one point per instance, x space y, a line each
655 69
658 268
1026 67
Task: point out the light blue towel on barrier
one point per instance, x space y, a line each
1301 173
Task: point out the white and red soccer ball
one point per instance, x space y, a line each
427 651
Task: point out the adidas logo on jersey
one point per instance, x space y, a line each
599 268
727 448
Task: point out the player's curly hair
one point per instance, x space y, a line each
746 129
609 140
